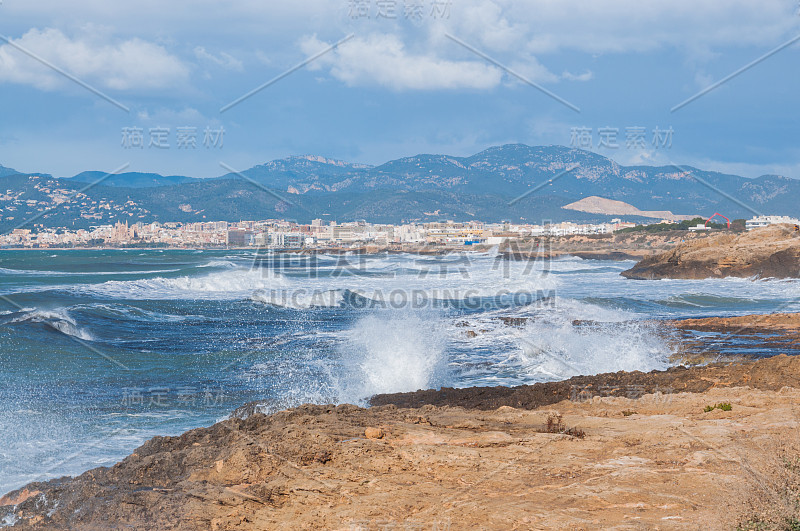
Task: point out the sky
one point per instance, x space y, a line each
156 86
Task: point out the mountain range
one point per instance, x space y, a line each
512 182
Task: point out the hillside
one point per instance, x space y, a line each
7 171
131 179
601 205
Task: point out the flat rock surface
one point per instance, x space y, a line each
657 461
772 251
772 322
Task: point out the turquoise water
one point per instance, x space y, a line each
100 350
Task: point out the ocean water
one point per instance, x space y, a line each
101 350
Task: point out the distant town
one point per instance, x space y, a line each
282 234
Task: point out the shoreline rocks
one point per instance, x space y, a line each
474 457
769 252
652 456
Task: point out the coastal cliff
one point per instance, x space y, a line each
769 252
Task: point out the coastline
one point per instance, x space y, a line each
613 247
616 449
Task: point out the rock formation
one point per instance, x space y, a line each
769 252
666 460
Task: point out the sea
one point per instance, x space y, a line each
101 350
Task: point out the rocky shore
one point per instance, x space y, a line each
713 447
710 447
768 252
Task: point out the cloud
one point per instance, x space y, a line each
224 60
543 26
171 117
586 76
128 65
382 59
535 26
530 68
748 169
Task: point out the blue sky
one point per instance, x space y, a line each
399 86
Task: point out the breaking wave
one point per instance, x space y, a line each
392 353
58 319
232 283
584 339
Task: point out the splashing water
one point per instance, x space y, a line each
559 347
391 353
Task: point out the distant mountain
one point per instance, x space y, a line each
305 174
7 171
131 179
516 169
512 182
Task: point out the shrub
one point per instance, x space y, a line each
555 424
724 406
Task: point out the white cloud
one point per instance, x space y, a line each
747 169
543 26
383 59
128 65
586 76
188 116
535 26
407 56
531 69
224 60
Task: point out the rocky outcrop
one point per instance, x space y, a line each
769 252
788 324
771 373
581 463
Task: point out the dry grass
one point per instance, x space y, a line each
555 424
773 488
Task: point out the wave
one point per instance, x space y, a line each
584 339
232 283
43 273
704 300
531 344
132 313
58 319
226 264
392 354
300 299
401 299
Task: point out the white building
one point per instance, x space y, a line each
763 221
699 227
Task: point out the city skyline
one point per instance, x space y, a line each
324 235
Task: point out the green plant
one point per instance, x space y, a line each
724 406
628 412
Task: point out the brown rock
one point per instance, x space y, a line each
451 467
768 252
373 433
15 498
